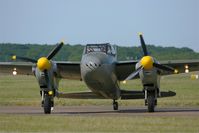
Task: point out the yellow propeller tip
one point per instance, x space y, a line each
62 42
140 33
14 57
176 71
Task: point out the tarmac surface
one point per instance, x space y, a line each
100 111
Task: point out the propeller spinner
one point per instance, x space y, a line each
43 64
147 62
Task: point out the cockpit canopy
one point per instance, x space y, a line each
104 47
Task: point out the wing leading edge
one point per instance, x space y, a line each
67 70
125 68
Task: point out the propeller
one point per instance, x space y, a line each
14 57
43 63
135 73
147 62
164 67
55 50
143 44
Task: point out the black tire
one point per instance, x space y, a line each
151 103
115 105
47 104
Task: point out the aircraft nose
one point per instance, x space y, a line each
92 63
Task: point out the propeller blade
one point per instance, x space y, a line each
135 73
55 50
143 45
163 67
14 57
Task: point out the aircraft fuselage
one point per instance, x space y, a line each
98 72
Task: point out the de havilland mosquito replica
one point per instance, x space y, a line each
101 72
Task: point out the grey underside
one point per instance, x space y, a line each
125 95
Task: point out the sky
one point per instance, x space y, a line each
163 22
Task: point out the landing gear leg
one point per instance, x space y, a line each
115 105
47 104
151 103
151 100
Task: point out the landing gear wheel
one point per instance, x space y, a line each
151 103
47 104
115 105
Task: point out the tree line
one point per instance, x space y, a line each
74 52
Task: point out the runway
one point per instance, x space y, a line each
100 111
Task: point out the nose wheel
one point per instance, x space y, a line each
115 105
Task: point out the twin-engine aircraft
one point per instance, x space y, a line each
101 72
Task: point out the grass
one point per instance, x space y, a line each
24 91
23 123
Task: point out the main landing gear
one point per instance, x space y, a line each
47 103
115 105
151 100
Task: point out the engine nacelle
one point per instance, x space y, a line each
48 79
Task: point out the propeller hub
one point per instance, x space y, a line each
147 62
43 64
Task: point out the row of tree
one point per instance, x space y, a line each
74 52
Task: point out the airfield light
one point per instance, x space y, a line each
186 67
14 71
124 82
186 70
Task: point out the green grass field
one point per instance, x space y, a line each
137 124
24 91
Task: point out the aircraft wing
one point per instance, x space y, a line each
125 95
80 95
125 68
71 70
22 68
67 70
180 65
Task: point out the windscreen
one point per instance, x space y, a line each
96 48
